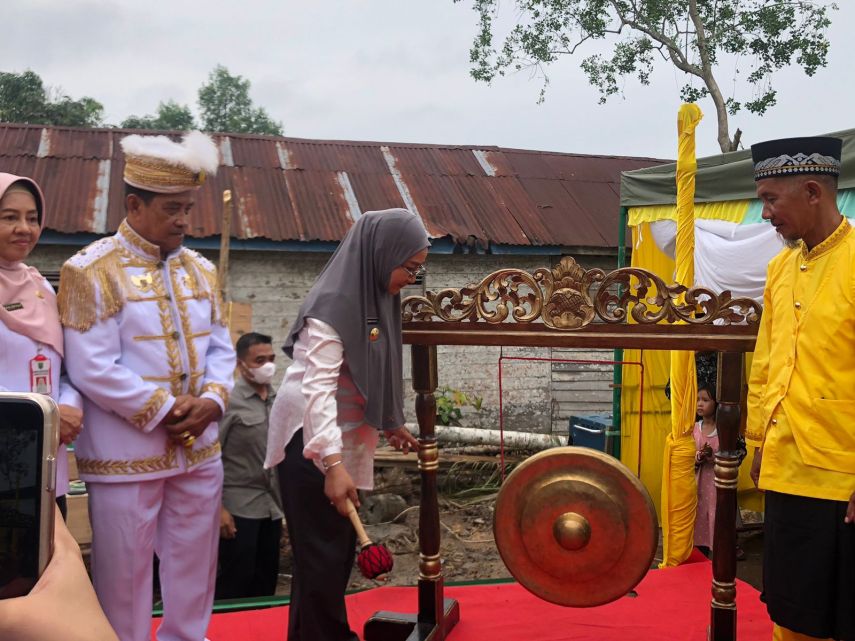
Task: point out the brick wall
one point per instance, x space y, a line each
536 395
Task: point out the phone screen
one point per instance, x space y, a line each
21 441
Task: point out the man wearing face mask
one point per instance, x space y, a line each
251 516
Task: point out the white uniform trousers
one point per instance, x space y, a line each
177 517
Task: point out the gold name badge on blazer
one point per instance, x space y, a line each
13 307
143 282
374 334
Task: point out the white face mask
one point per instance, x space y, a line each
263 374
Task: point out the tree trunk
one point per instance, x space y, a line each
724 140
706 65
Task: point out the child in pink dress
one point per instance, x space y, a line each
706 442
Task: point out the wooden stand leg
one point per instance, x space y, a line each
437 615
723 607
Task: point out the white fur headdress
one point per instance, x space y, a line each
158 164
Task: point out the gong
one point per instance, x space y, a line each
575 527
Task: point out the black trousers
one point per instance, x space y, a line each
324 547
809 566
249 563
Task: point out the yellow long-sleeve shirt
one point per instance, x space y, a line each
801 396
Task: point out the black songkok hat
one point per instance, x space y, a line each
797 156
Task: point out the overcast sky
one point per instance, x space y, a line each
384 70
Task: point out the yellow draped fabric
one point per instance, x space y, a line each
731 211
679 491
647 435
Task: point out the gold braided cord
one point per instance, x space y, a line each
171 378
115 467
199 270
195 377
153 174
173 353
150 409
92 293
186 327
145 247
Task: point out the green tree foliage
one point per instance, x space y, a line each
225 106
696 37
24 98
170 116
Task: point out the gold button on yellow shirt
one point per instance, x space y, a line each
801 396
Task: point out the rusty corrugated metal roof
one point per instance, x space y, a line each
288 189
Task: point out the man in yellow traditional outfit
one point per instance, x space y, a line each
147 345
801 399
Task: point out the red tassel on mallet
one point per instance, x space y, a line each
374 560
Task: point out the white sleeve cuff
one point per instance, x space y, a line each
217 399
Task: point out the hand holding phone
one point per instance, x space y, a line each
29 437
62 605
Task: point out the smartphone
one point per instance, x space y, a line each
29 437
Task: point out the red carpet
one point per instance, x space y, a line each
672 605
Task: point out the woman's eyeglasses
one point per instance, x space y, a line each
417 272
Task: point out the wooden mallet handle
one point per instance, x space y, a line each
357 525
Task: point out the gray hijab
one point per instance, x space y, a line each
351 295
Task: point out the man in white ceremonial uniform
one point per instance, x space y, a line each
147 345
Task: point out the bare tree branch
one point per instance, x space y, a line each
677 57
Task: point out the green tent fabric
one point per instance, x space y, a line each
720 178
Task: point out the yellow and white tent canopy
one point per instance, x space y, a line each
733 246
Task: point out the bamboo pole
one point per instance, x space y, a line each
225 237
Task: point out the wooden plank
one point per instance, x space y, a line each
584 396
737 338
582 373
239 320
566 391
565 413
604 354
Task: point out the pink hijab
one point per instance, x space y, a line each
38 316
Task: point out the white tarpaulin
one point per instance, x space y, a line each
728 256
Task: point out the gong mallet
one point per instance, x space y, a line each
374 560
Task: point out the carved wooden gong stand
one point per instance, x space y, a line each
570 307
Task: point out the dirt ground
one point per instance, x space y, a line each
467 547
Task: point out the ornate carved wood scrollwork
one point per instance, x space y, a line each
569 297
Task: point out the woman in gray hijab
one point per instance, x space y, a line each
343 387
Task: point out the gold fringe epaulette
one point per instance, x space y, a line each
200 266
92 292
